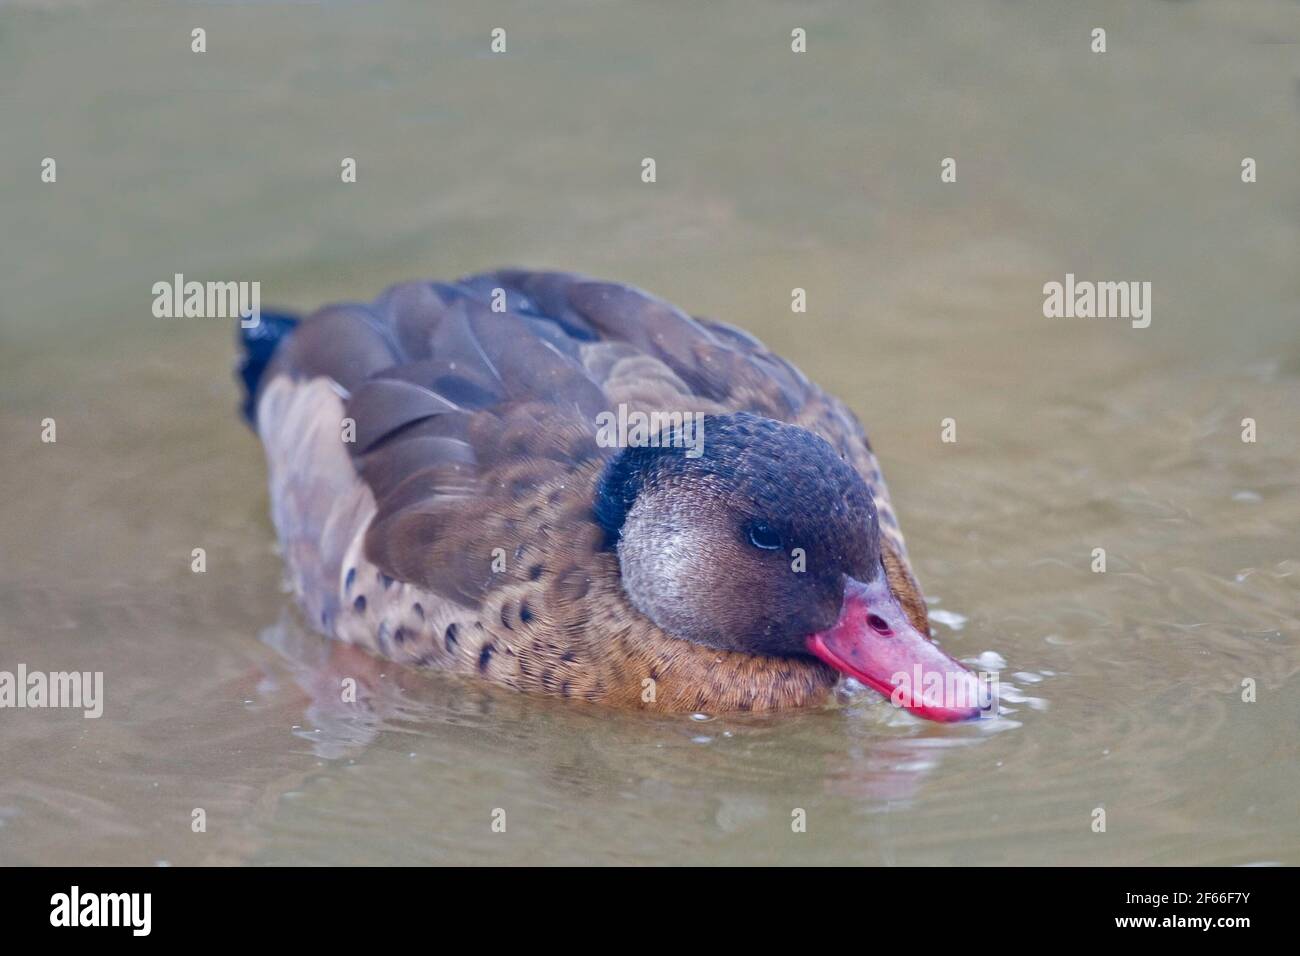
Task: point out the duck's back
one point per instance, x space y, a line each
433 457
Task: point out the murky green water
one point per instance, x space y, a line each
775 170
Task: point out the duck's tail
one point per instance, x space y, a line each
257 346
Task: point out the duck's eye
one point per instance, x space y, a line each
761 536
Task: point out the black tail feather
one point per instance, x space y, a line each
258 344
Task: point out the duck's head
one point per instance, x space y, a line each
765 541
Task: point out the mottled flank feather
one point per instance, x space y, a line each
456 530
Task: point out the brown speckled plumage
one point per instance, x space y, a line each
457 530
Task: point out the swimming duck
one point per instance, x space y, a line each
447 493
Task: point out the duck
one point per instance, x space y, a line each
447 494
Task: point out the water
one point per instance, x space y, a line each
1122 690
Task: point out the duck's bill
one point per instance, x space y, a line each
874 641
